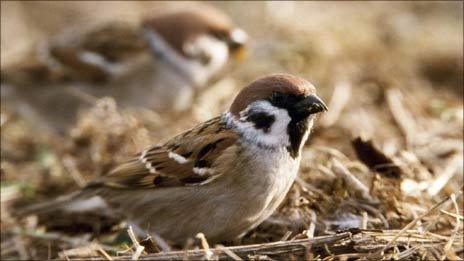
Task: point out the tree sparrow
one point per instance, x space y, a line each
158 65
223 177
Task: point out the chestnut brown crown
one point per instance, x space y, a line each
264 87
177 28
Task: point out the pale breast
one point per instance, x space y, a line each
277 172
252 194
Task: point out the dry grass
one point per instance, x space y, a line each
392 74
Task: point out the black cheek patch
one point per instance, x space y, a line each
262 120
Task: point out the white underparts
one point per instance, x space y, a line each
276 136
215 49
192 69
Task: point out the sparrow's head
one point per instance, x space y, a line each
201 38
276 110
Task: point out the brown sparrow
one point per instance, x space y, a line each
158 65
223 177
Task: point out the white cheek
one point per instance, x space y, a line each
276 136
278 133
193 70
217 51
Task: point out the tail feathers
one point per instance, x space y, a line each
61 203
81 211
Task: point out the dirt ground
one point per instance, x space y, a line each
387 159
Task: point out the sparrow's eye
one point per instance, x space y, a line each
277 95
284 100
278 99
219 34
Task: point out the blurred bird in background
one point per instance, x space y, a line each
159 64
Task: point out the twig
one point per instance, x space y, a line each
286 236
413 222
138 248
205 245
461 217
339 100
81 252
160 242
401 115
447 248
441 181
326 171
356 256
103 252
365 220
312 226
307 187
310 232
274 248
352 182
406 253
71 168
229 252
333 152
82 95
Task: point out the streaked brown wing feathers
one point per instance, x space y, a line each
187 159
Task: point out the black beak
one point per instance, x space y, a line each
235 46
311 105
